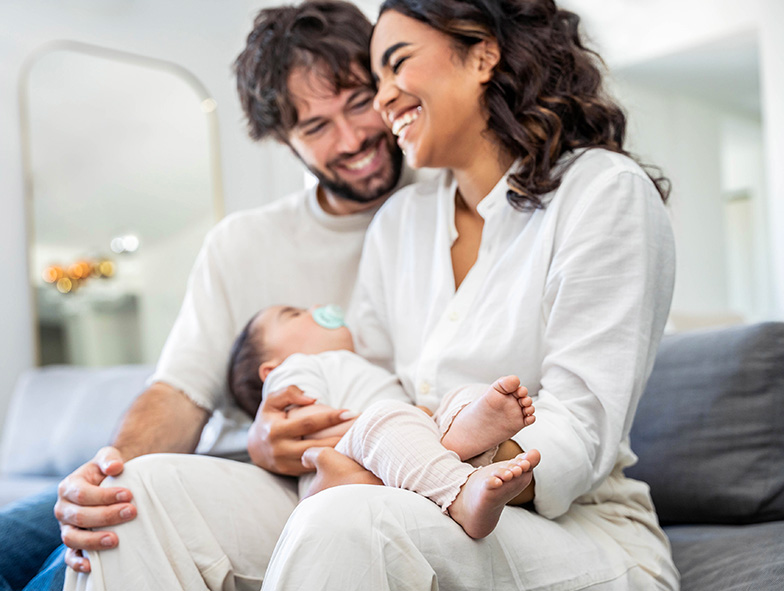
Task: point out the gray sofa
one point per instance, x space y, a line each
58 418
709 433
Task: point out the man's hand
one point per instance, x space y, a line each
275 439
161 419
82 504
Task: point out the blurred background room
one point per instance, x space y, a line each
123 142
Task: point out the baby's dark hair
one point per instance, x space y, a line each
247 354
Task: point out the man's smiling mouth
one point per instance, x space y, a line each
362 162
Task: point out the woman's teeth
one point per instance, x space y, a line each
362 162
405 119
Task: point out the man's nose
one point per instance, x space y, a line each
350 136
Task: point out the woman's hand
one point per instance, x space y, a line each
275 440
333 469
297 412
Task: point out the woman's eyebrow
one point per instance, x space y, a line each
390 50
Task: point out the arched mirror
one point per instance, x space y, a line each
123 181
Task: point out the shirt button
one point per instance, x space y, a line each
424 388
453 316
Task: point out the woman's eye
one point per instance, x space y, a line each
396 66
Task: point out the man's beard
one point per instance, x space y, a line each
347 191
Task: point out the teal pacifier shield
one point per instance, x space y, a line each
329 316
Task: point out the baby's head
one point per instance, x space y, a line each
271 336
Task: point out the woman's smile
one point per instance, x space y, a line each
405 119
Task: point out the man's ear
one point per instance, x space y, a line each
487 54
267 367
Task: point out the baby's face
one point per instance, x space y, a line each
287 330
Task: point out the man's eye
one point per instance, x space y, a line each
363 104
314 129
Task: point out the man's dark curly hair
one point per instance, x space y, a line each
545 97
332 36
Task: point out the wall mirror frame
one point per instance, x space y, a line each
121 160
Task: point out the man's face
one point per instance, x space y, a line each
342 140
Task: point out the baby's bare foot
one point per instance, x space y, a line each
478 505
491 419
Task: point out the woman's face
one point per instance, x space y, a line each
427 94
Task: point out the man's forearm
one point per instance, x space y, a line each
162 419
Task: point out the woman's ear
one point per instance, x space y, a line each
266 368
487 55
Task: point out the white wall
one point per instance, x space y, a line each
631 31
772 49
628 34
163 273
203 36
709 153
746 219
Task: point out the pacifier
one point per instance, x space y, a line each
330 316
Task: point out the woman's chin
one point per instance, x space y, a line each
414 157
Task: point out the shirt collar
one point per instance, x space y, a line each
339 223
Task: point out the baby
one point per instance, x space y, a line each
313 349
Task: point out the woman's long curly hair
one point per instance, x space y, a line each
545 97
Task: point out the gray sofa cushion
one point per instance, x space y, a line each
729 557
61 415
709 430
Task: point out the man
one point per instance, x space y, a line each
304 80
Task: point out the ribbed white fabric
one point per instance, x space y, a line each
402 446
393 439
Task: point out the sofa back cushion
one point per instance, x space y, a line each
709 429
61 415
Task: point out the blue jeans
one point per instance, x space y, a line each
30 547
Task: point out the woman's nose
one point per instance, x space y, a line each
385 96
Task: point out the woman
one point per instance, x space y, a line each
543 251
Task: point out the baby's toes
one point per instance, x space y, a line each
508 385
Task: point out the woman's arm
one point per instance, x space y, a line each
606 300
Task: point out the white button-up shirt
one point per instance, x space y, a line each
572 298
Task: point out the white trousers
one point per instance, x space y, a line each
205 523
